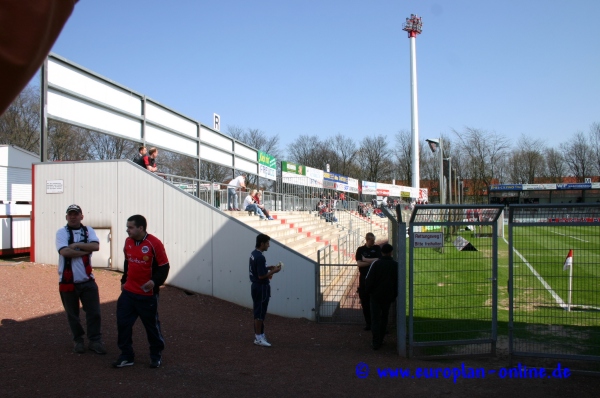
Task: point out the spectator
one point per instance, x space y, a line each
152 154
381 284
250 206
365 256
148 161
328 214
319 206
75 244
343 200
146 268
235 185
260 276
139 158
256 195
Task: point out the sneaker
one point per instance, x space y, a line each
270 218
97 347
122 362
155 363
262 217
79 347
262 342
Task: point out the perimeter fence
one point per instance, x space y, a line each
452 289
554 284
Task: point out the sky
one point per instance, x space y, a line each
323 67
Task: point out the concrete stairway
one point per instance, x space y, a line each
301 231
362 224
307 233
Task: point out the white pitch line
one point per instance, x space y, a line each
572 237
556 297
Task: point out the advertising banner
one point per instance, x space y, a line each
369 188
314 177
292 173
352 185
395 191
267 166
574 186
335 181
383 189
506 187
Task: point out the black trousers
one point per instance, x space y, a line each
87 293
380 311
130 306
365 299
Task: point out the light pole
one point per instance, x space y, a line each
449 159
414 26
436 145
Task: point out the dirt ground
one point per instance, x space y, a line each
210 352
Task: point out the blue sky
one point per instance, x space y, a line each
322 67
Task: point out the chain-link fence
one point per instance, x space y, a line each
554 281
453 281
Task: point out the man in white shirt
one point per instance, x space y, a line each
234 185
75 244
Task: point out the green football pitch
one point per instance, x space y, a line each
453 290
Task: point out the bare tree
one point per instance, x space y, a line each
484 152
214 172
526 162
375 159
67 142
555 165
310 151
595 144
343 154
403 151
578 156
20 124
104 146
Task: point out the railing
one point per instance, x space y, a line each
292 198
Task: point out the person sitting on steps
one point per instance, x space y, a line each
252 207
256 195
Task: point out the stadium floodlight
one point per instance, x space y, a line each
436 145
433 144
414 27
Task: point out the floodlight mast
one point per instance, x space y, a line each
437 145
414 26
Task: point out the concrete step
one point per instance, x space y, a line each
301 231
335 290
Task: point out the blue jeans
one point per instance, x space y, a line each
232 199
255 209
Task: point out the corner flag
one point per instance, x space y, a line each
568 261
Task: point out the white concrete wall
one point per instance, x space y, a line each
208 250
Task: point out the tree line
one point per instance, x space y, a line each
480 156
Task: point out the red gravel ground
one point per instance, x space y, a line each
209 353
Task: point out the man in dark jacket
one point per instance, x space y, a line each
382 286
